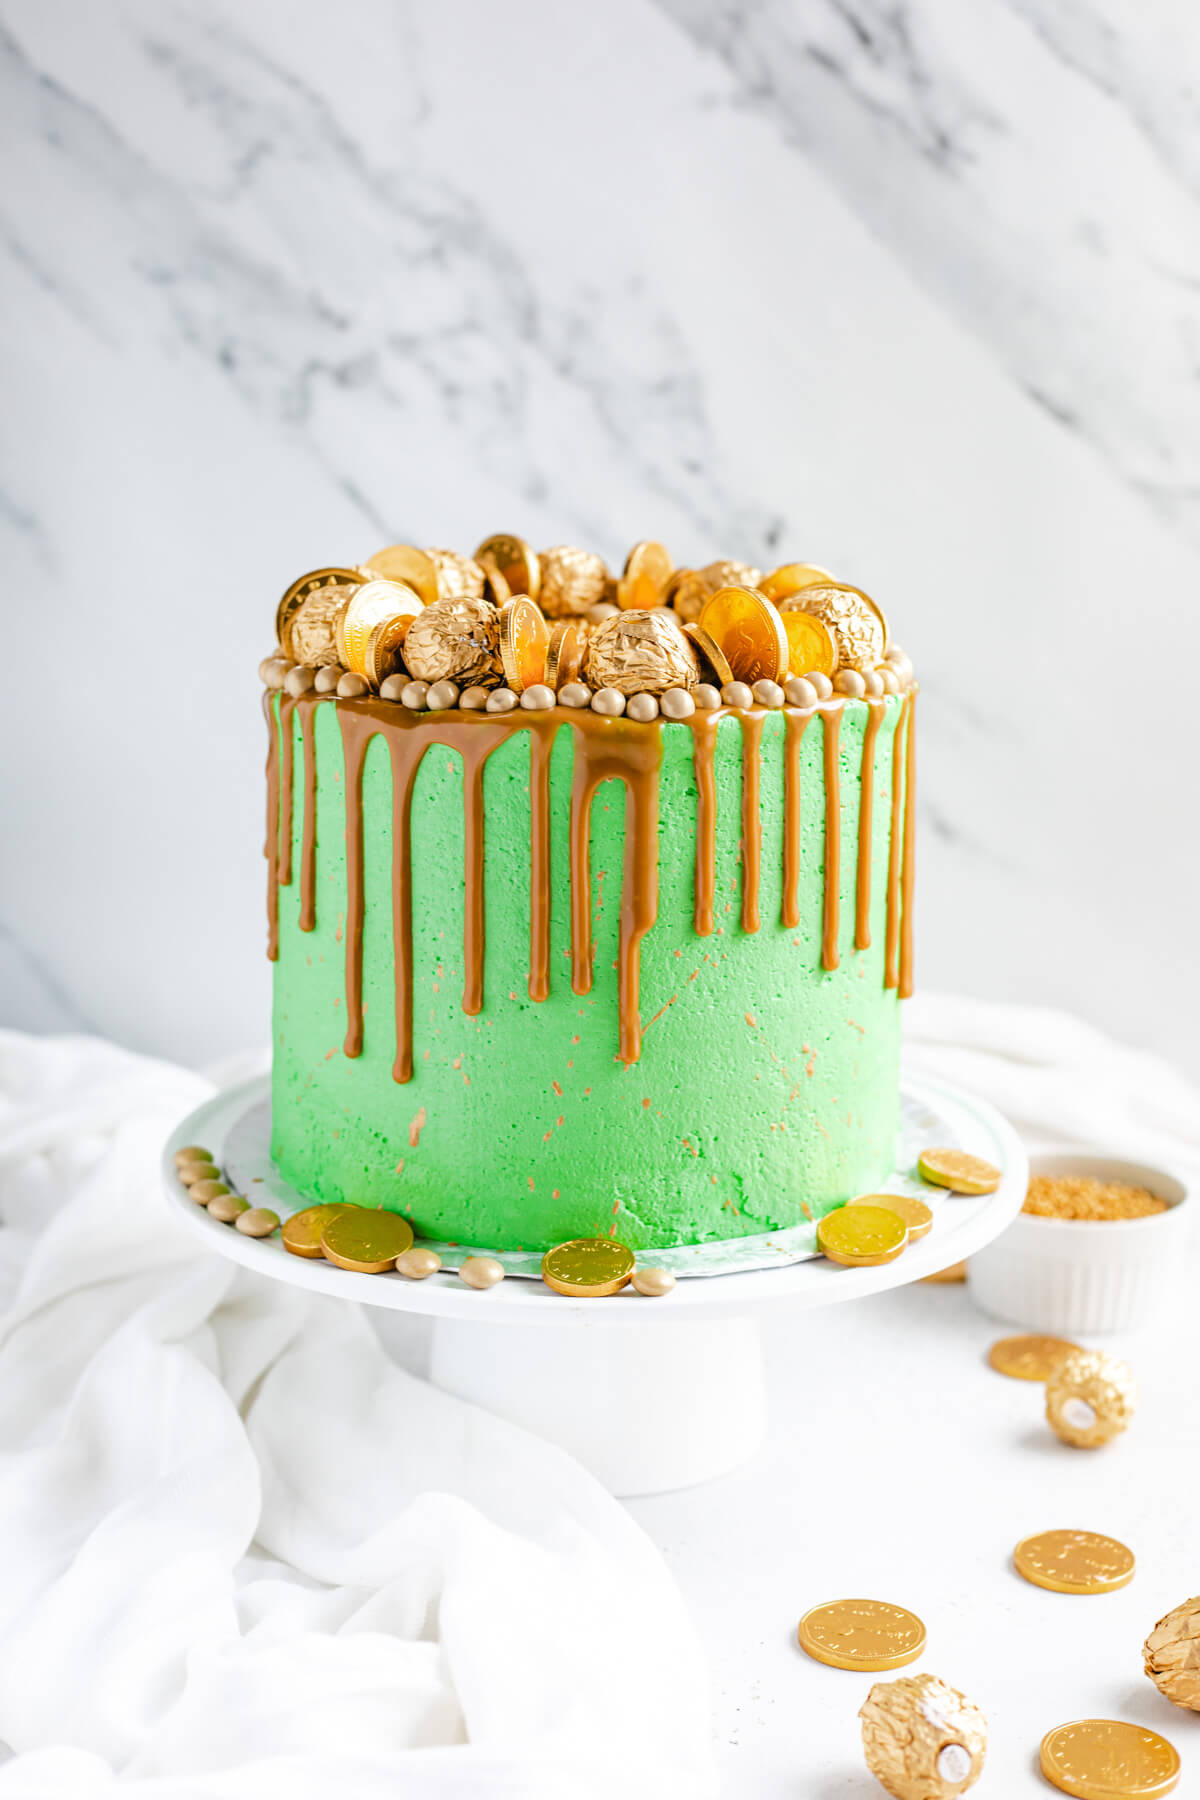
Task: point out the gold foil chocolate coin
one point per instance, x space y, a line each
861 1634
368 607
1029 1357
301 1233
1108 1759
790 578
915 1213
961 1173
855 620
587 1267
384 654
366 1239
810 644
1074 1562
644 579
711 651
524 641
295 596
564 655
750 632
861 1236
514 561
406 564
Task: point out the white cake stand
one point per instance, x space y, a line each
648 1394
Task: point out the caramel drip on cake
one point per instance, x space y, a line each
910 839
752 725
308 837
541 745
612 750
795 725
891 956
704 740
354 748
287 765
406 760
866 808
831 725
271 845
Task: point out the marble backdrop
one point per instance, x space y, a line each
912 289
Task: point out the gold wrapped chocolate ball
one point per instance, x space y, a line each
572 580
1090 1398
456 640
312 633
1172 1655
922 1739
730 574
458 577
641 653
853 620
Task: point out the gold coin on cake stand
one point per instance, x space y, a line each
366 1239
524 640
408 565
915 1213
750 632
517 565
384 654
564 654
781 583
368 607
861 1634
810 644
711 651
644 579
861 1236
961 1173
295 596
588 1268
1107 1759
301 1233
1074 1562
1029 1357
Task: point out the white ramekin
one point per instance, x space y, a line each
1081 1275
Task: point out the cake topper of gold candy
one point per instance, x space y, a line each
727 573
517 565
686 591
588 1268
641 653
1103 1759
644 578
572 580
405 563
523 644
868 1635
1029 1357
1172 1654
811 644
1090 1398
565 652
922 1738
312 637
749 632
301 589
789 578
961 1173
711 651
384 654
861 1237
1074 1562
855 622
456 640
368 607
458 577
365 1238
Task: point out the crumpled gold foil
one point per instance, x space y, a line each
687 591
1090 1397
313 628
456 640
922 1739
458 577
572 580
855 627
723 573
641 653
1172 1653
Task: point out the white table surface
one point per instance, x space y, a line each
901 1467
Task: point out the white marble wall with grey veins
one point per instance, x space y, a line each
912 289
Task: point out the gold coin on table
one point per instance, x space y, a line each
810 644
384 654
750 632
961 1173
408 565
861 1634
564 654
861 1237
1029 1357
915 1213
295 596
1106 1759
515 562
790 578
301 1233
643 581
588 1268
368 607
711 651
1074 1562
366 1239
524 641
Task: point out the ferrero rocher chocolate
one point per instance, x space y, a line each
922 1739
641 653
724 573
1172 1654
1105 1759
456 640
300 590
1090 1398
855 622
572 580
458 577
312 638
867 1635
588 1268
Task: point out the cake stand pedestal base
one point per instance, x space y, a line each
643 1408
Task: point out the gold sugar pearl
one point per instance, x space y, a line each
257 1222
677 703
608 702
413 695
352 685
204 1191
300 680
502 700
192 1153
642 707
575 695
653 1283
737 693
418 1264
474 699
392 687
327 677
768 693
481 1272
272 672
850 683
706 696
226 1207
801 692
191 1172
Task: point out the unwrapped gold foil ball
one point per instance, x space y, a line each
456 640
572 580
641 653
923 1739
1172 1653
458 577
1090 1398
312 630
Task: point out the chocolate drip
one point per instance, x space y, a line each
910 837
795 725
613 750
831 725
704 740
406 753
891 949
355 739
287 766
866 809
308 833
752 725
541 745
271 843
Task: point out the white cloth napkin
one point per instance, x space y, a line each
243 1554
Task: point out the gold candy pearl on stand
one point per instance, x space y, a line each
1090 1398
1074 1562
1172 1655
257 1222
955 1170
653 1283
418 1264
202 1192
915 1214
861 1237
226 1208
922 1738
1029 1357
192 1172
481 1272
1104 1759
192 1153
